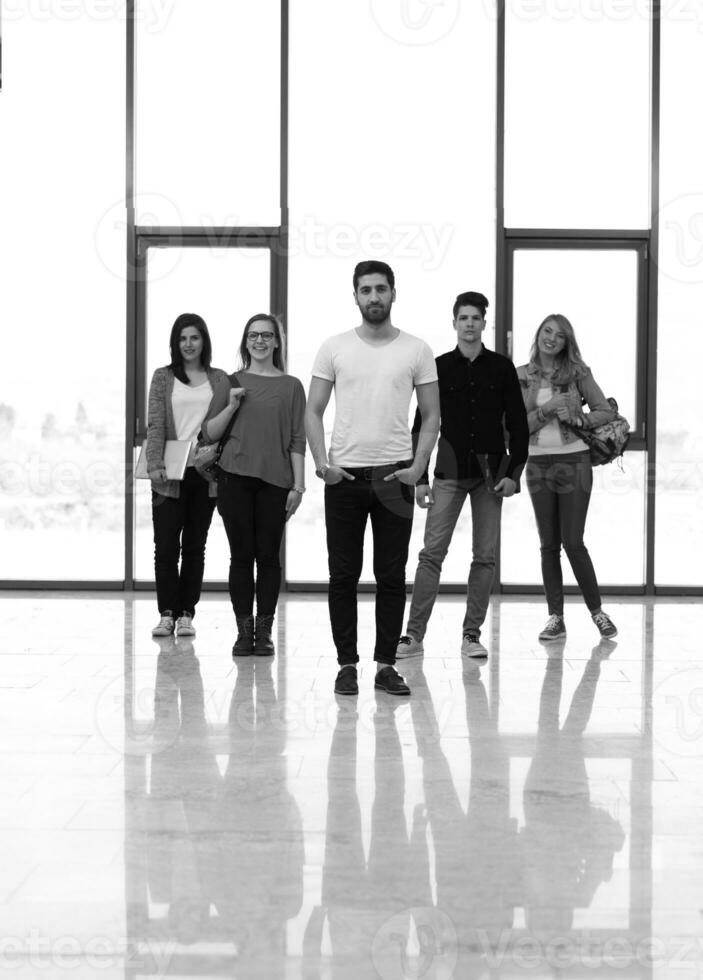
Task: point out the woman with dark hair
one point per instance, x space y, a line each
262 475
179 398
555 384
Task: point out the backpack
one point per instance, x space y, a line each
608 441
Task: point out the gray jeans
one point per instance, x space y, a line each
449 497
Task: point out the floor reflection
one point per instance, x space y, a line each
366 900
458 834
567 843
223 843
475 842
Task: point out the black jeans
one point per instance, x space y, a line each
560 490
181 525
348 505
254 515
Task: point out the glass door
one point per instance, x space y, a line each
600 287
225 284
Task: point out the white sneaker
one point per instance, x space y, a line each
408 646
164 627
184 626
472 647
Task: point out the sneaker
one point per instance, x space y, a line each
471 646
408 646
184 625
554 629
389 680
606 627
346 682
165 625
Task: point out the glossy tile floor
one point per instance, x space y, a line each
166 812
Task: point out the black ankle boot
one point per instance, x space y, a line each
244 644
263 644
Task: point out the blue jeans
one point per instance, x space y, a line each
348 506
449 497
560 490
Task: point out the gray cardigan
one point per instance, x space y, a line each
161 425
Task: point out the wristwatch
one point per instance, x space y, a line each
322 470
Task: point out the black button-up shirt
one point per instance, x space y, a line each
482 409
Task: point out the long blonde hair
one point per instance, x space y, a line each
569 364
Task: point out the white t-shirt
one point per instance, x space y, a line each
190 405
373 385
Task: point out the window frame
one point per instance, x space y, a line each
648 298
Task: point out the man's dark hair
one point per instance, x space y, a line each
373 267
470 299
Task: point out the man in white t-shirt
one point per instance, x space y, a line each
370 471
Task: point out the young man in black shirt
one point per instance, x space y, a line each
480 401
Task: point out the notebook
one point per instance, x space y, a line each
176 452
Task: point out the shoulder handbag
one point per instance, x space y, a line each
207 455
608 441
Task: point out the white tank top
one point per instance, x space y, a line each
190 405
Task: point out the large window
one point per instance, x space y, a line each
608 325
225 285
62 307
679 513
207 112
379 141
577 115
574 239
395 162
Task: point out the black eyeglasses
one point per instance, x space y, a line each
264 334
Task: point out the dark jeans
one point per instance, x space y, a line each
348 505
181 525
560 490
254 515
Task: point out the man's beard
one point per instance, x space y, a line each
377 314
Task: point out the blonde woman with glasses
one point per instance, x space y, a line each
262 475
